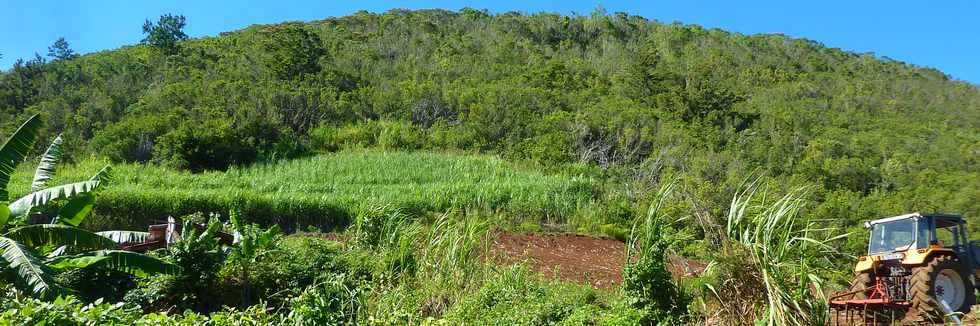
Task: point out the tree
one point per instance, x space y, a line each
31 254
293 50
165 34
60 50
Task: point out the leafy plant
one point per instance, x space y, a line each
772 252
199 256
338 300
251 245
646 279
33 254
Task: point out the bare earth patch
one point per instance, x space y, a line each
573 258
577 258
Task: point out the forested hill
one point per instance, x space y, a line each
637 100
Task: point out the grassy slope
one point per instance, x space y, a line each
326 190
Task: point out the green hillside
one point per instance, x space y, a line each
737 168
647 100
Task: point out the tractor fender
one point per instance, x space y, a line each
866 263
916 257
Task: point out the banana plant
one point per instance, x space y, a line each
32 254
251 245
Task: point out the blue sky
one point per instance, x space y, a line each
940 34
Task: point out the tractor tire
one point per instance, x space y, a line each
862 281
942 279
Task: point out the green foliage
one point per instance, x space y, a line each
338 300
645 277
777 259
13 151
199 257
295 263
293 51
128 262
515 297
329 191
634 96
251 245
72 311
49 237
60 50
590 112
628 94
49 161
65 311
30 271
165 34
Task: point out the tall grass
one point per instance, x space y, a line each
769 268
645 276
328 190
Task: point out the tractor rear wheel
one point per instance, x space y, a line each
863 282
941 281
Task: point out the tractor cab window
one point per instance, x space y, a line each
948 234
892 236
922 240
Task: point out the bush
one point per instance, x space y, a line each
516 297
94 284
18 310
339 299
202 145
133 139
384 134
200 257
297 262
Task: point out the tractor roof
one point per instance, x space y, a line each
937 216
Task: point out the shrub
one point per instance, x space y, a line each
294 263
391 235
384 134
91 284
18 310
202 145
200 258
516 297
339 299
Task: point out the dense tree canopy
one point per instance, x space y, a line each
640 99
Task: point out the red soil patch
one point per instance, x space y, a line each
576 258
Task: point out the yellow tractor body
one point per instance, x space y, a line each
922 265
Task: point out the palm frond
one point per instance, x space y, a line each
104 175
4 213
23 206
49 162
129 262
125 236
77 208
46 237
30 273
15 149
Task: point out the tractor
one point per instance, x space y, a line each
921 266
